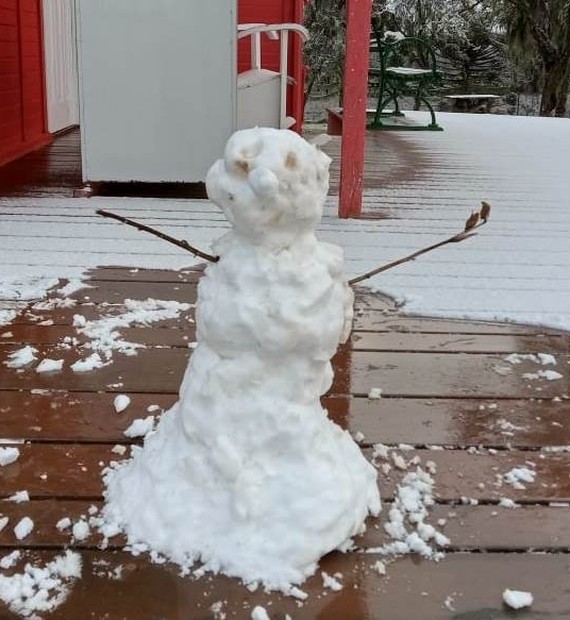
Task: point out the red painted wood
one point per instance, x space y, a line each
276 12
22 90
354 107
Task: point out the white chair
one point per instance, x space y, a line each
262 93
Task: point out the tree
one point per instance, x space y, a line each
542 27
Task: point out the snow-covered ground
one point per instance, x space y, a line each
515 269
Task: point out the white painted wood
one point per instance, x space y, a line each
60 51
158 82
259 103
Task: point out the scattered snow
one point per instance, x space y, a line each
10 560
63 524
506 502
375 393
89 363
331 582
549 375
8 456
407 520
49 365
3 522
104 333
379 567
19 497
516 476
24 528
259 613
121 402
40 589
22 357
517 599
80 530
540 358
140 427
119 449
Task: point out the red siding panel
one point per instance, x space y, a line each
22 98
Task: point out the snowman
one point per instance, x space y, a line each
246 473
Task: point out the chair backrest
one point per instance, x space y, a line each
403 51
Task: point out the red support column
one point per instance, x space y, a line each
355 88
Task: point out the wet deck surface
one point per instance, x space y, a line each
448 393
446 385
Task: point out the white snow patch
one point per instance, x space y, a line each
330 582
24 527
506 502
19 497
517 599
104 333
259 613
63 524
549 375
407 524
516 476
121 402
80 530
89 363
375 393
49 365
40 589
140 427
3 522
8 456
22 357
10 560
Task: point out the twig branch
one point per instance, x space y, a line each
181 243
475 220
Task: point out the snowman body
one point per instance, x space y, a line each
246 473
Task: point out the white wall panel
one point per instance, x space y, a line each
158 83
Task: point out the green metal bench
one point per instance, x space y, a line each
413 80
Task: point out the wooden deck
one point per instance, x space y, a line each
448 393
443 386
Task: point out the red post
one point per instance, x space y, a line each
355 96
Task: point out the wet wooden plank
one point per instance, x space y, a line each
390 321
455 422
89 416
160 333
417 375
74 416
91 311
452 374
488 527
150 370
472 584
116 291
65 470
459 343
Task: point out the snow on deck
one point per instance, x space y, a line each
515 269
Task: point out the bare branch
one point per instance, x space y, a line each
181 243
475 220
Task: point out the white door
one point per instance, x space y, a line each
60 49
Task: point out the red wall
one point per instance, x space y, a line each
22 101
276 12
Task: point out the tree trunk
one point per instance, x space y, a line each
555 90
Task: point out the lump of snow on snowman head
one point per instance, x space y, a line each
271 185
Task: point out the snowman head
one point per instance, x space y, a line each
271 185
